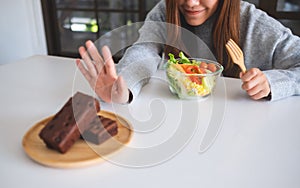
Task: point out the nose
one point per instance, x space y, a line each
192 3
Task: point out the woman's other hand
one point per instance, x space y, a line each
255 83
101 74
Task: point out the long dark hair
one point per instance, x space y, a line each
226 26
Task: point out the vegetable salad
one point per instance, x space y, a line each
192 77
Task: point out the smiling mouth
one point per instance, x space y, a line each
193 12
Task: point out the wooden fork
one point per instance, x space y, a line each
236 54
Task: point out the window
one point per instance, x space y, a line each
69 23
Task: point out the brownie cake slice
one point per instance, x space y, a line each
101 129
74 117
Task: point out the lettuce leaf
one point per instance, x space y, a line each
172 58
184 59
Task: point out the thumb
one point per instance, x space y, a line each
120 92
241 74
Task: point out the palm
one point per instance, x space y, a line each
101 74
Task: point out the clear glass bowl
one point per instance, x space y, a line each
195 81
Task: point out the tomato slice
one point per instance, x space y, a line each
191 69
196 79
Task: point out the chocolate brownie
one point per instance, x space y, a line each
74 117
101 129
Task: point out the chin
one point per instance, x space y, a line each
195 22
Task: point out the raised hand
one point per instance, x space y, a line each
101 74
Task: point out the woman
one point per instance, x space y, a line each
271 51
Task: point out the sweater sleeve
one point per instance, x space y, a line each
141 60
284 78
272 48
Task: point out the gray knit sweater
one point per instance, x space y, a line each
266 44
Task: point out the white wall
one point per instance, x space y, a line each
21 30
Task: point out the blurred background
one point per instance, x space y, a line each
59 27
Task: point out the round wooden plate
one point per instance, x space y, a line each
82 153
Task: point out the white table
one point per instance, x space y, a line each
257 143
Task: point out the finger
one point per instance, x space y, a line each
88 62
93 51
248 85
241 74
109 62
264 88
254 90
259 90
83 70
250 74
260 95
